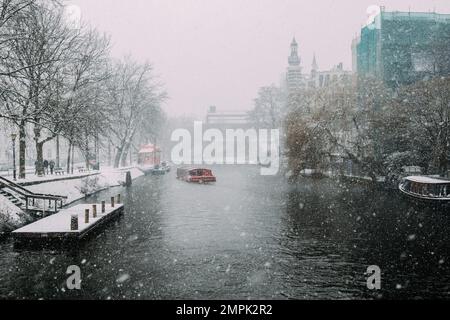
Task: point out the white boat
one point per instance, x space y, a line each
163 168
146 169
425 188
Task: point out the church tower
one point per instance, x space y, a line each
293 59
314 73
294 71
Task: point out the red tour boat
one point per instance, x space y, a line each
199 175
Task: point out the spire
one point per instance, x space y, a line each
293 59
314 65
293 43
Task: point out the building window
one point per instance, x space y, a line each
422 62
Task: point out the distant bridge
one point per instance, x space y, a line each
227 119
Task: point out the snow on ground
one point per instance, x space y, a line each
34 178
116 177
76 189
10 215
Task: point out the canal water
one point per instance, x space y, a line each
246 236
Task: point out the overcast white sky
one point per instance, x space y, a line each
218 52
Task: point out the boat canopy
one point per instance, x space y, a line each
149 148
427 180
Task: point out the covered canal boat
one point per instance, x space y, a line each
430 189
199 175
149 156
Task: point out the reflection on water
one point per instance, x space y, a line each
247 236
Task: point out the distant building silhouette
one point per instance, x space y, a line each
226 119
294 78
321 79
317 78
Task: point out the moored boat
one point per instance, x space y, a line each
429 189
146 169
161 169
200 175
149 157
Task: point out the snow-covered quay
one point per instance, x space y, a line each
59 225
74 188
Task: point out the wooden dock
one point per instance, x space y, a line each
73 223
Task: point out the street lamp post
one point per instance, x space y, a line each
13 137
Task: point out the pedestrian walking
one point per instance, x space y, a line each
45 167
52 166
36 167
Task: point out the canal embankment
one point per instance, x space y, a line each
74 187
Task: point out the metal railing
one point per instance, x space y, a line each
29 195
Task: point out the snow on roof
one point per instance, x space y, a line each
423 179
149 148
60 222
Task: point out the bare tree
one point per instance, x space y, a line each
78 92
269 107
342 119
35 60
423 109
133 94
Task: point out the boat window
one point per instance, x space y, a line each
416 188
424 189
407 185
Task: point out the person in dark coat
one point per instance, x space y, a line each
52 166
36 166
45 167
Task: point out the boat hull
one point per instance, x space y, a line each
431 201
146 170
160 170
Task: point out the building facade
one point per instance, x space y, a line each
403 47
317 78
335 76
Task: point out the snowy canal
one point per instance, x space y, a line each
246 236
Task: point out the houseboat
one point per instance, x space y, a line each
149 156
160 169
429 189
200 175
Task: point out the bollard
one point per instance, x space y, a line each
112 202
118 198
94 210
128 179
103 206
86 216
74 222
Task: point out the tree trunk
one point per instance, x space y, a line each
87 155
68 157
109 154
40 158
443 163
40 154
73 158
125 155
87 158
22 148
117 157
57 151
